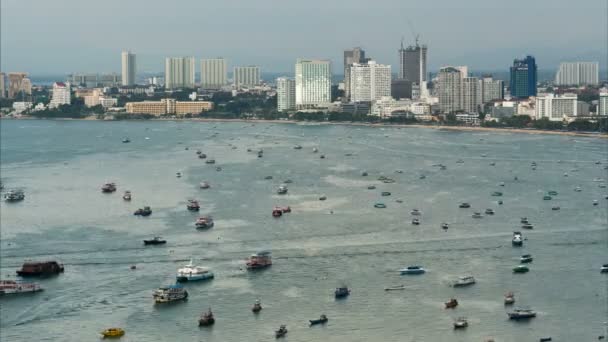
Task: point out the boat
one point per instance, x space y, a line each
547 198
552 193
500 202
526 258
204 222
127 195
315 150
260 154
219 168
178 174
286 209
297 147
321 320
126 140
204 185
497 193
16 287
444 226
199 152
595 202
527 226
555 208
277 212
415 212
288 181
492 164
108 187
451 304
604 268
171 293
547 339
520 269
202 156
113 332
210 161
257 306
322 198
342 292
190 272
518 314
385 193
464 281
518 239
395 288
415 221
476 215
14 196
259 260
523 220
489 211
268 177
155 241
461 323
282 190
464 205
281 332
460 161
145 211
44 268
501 184
412 270
578 189
193 205
371 187
206 319
422 177
364 174
380 205
509 298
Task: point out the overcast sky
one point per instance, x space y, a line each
62 36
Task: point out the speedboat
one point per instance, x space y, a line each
145 211
206 319
14 196
464 205
17 287
520 269
476 215
204 185
342 292
461 323
518 314
282 190
395 288
155 241
281 332
526 258
518 239
489 211
451 304
604 268
257 306
412 270
113 332
108 187
415 221
509 298
261 259
170 293
193 205
127 195
321 320
204 222
464 281
415 212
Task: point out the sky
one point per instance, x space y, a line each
48 37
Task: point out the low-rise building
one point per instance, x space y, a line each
61 95
386 105
470 118
20 107
108 102
168 106
556 107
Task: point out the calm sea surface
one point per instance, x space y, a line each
320 245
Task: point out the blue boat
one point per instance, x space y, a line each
412 270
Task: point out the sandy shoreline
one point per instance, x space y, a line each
347 123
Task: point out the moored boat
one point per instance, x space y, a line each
8 287
14 196
108 187
321 320
517 240
145 211
451 304
171 293
257 306
520 314
155 241
412 270
342 292
261 259
204 222
190 272
127 195
45 268
526 258
520 269
113 333
509 298
464 281
193 205
206 319
461 323
281 332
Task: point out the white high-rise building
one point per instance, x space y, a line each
179 72
246 76
602 106
313 83
128 68
61 95
369 81
471 94
286 94
556 107
213 73
450 90
577 73
491 89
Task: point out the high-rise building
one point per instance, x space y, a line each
246 76
95 80
213 73
179 72
313 83
2 85
18 84
471 95
577 73
356 55
412 62
491 89
450 90
286 94
128 68
369 81
61 94
556 107
602 106
523 77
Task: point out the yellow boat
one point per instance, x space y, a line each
113 332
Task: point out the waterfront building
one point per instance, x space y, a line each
577 73
556 107
356 55
94 80
412 62
450 90
179 72
213 73
313 83
523 77
385 107
246 76
369 81
168 107
128 68
471 95
286 94
18 83
61 95
491 89
602 106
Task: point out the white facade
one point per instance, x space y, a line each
369 82
491 89
386 105
246 76
556 107
577 73
313 83
471 94
128 68
450 90
61 94
179 72
286 94
213 73
20 107
602 106
108 102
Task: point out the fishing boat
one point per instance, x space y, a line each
8 287
509 298
604 268
171 293
464 281
206 319
489 211
190 272
517 240
342 292
412 270
415 212
415 221
204 222
451 304
281 332
127 195
380 205
282 190
526 259
257 306
395 288
476 215
108 187
155 241
145 211
461 323
521 314
193 205
259 260
277 212
464 205
113 333
44 268
444 226
520 269
14 196
321 320
204 185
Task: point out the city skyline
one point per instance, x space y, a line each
325 40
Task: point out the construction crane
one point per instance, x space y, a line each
416 35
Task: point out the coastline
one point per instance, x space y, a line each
349 123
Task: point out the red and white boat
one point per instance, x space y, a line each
259 260
16 287
204 222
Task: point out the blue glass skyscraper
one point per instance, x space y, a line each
523 77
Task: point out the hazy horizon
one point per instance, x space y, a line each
42 38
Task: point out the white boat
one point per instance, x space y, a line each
190 272
464 281
170 293
518 239
14 287
282 190
604 268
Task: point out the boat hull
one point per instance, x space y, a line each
318 321
188 278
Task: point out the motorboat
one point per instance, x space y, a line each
202 156
464 205
526 258
527 226
286 209
523 220
8 287
444 226
489 211
127 195
380 205
342 292
36 269
385 193
322 198
171 293
518 239
547 198
322 156
193 205
552 193
364 174
321 320
281 332
206 319
145 211
501 184
415 221
277 212
461 323
509 298
595 202
178 174
14 196
476 215
520 269
204 222
190 272
282 190
500 202
199 152
371 187
219 168
422 177
204 185
497 193
412 270
451 304
604 268
288 181
155 241
260 154
315 150
113 333
210 161
395 288
297 147
518 314
460 161
108 187
257 306
578 189
268 177
415 212
464 281
126 140
261 259
555 208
